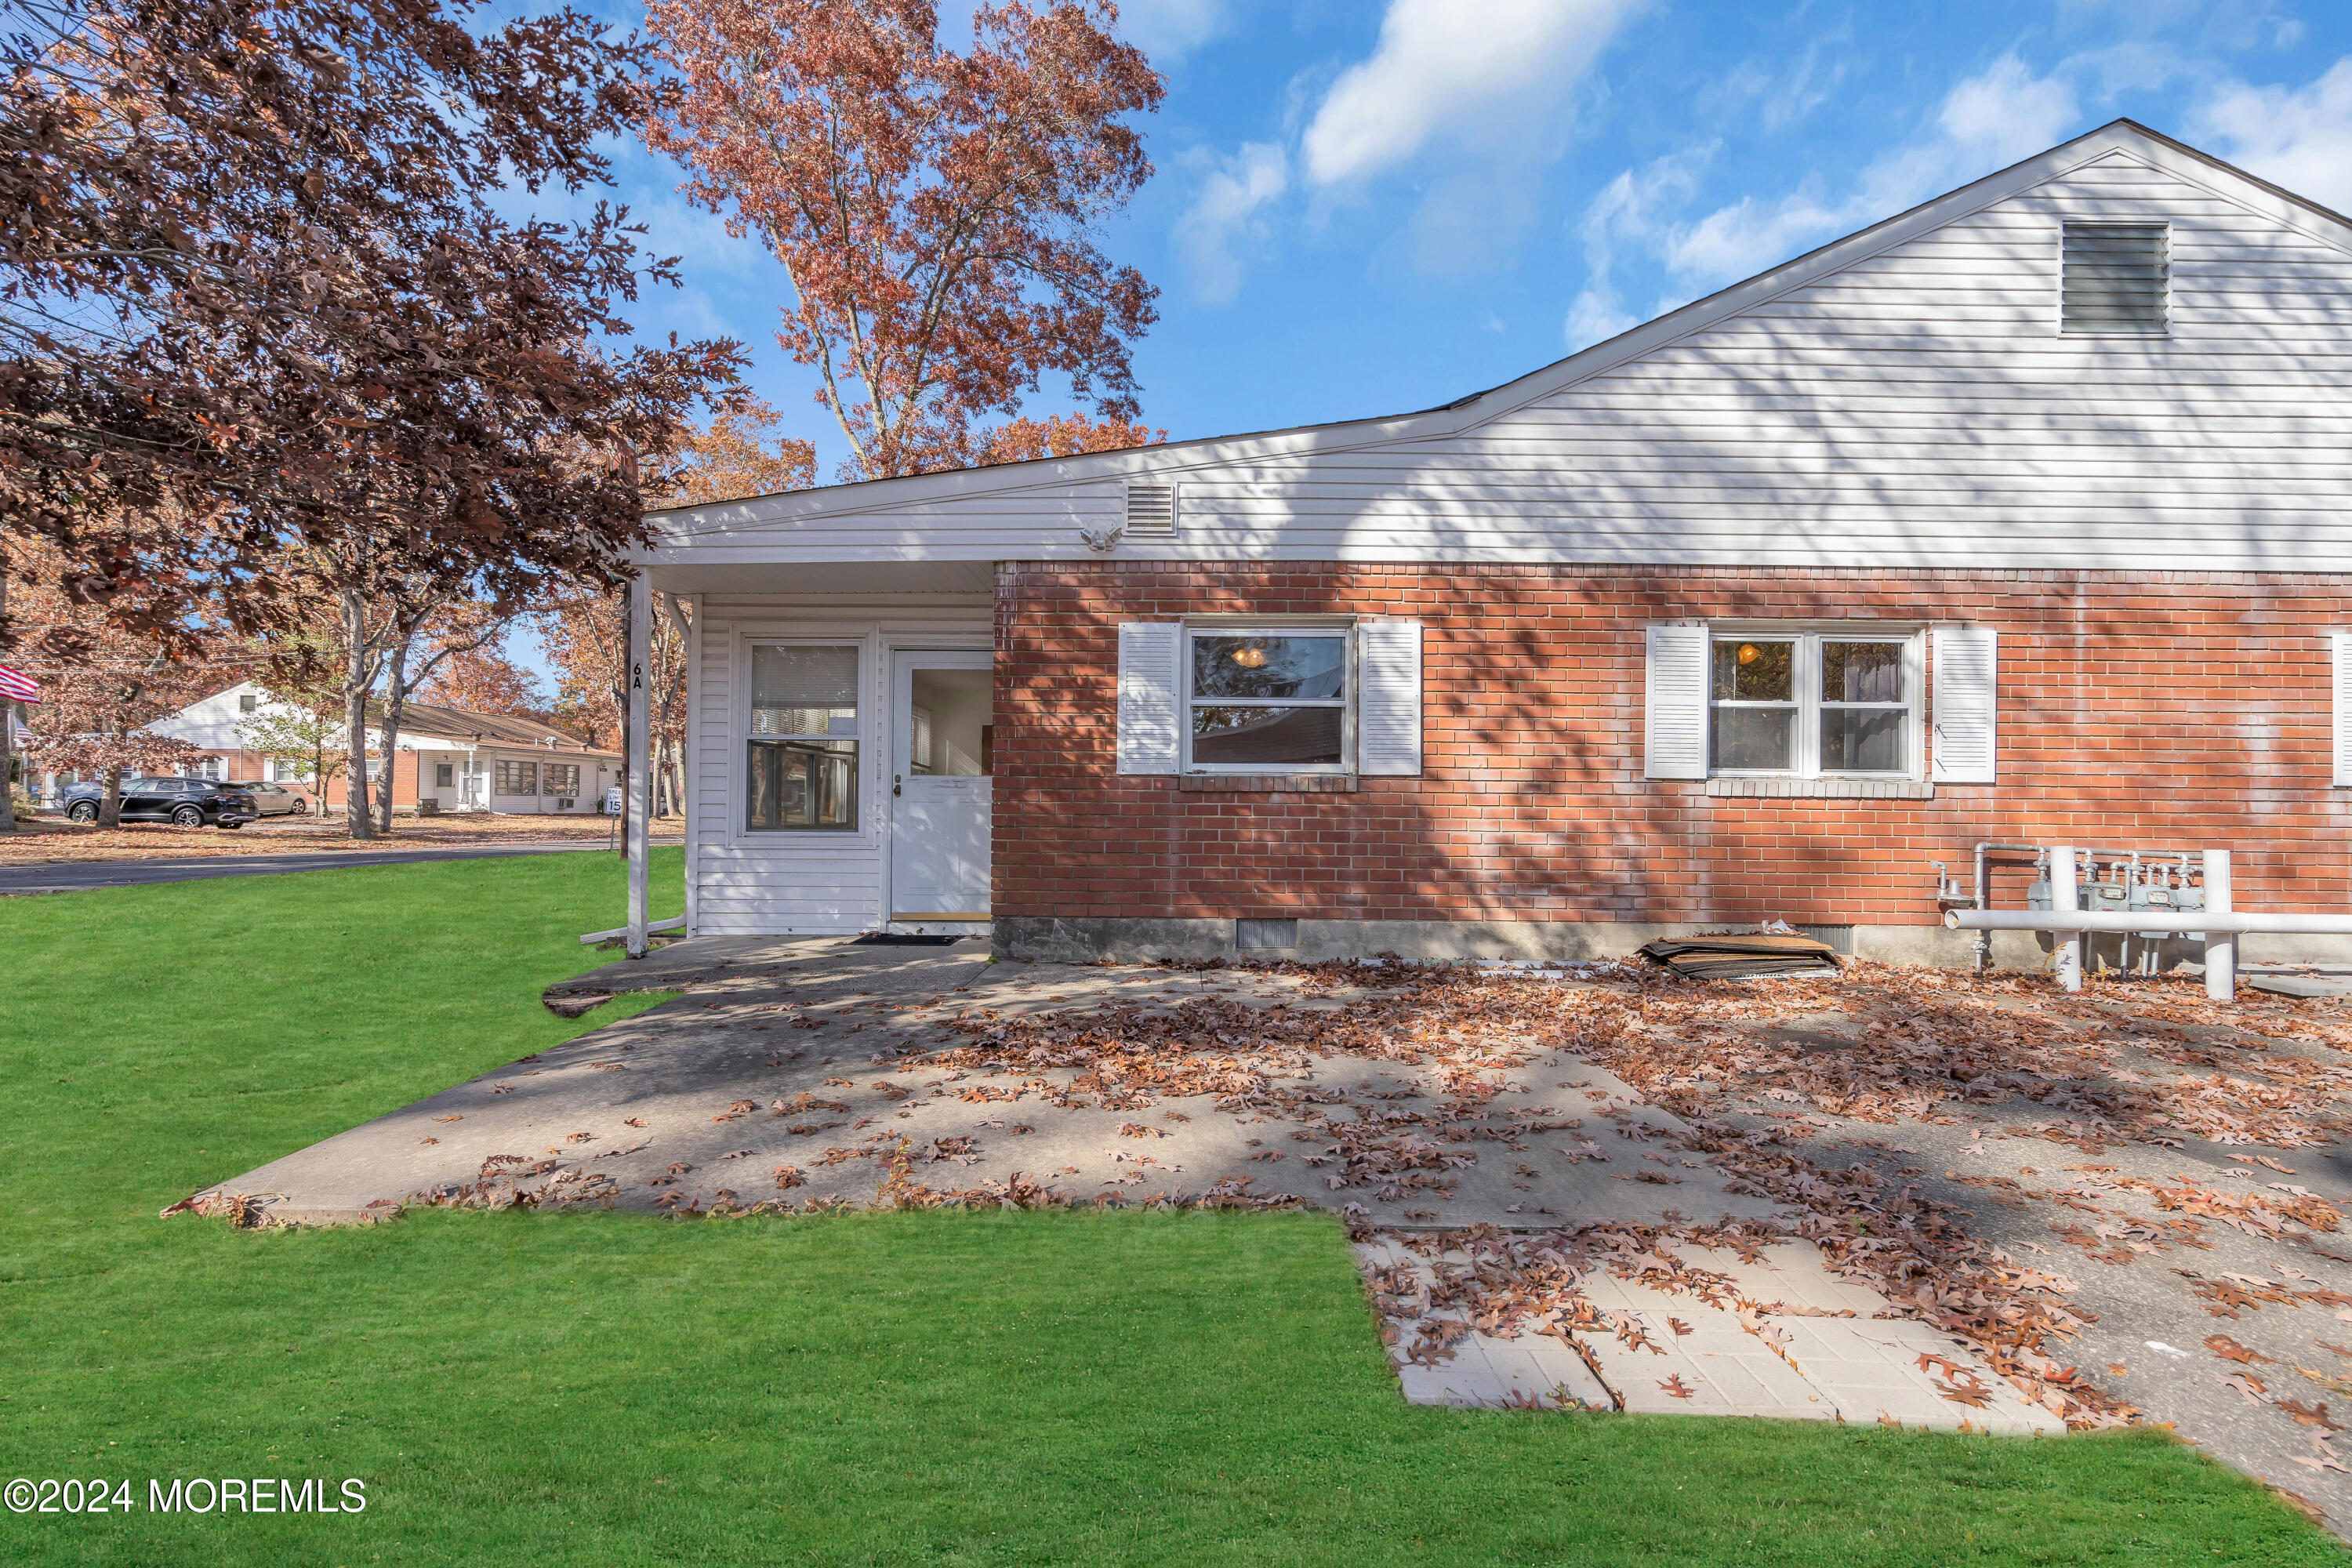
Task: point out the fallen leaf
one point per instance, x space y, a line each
2227 1349
1676 1387
634 1122
2248 1385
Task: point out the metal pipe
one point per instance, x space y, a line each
2220 943
2062 899
2208 921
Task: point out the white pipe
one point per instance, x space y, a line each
2232 923
2220 941
2063 899
593 937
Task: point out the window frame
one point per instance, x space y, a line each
1257 626
863 827
1806 681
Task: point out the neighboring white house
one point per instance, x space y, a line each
458 759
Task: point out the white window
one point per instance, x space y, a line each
1270 698
514 777
209 768
1814 704
246 702
288 770
800 756
560 778
1267 701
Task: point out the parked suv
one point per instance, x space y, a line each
269 799
186 803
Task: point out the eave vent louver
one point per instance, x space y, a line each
1151 510
2116 277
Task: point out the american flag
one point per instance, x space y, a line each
17 687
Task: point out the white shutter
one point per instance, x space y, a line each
2340 649
1673 702
1388 709
1967 699
1150 660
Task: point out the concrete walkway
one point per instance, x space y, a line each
76 877
778 1076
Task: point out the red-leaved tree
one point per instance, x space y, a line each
933 209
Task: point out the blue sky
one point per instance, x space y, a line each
1367 207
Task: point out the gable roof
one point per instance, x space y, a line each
677 527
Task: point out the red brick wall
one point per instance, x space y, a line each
2174 708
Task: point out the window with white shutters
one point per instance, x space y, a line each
1761 700
1270 698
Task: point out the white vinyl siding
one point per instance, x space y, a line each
1917 408
786 884
1967 704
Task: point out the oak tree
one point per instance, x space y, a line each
934 210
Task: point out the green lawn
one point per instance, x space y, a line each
607 1390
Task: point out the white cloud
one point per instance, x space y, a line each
1988 122
2301 139
1632 209
1445 66
1171 29
1227 214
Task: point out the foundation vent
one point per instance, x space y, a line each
1264 936
1838 938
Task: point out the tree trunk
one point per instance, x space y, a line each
355 695
395 700
109 799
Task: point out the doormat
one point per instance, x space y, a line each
896 939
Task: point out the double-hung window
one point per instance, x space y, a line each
1266 701
1814 704
802 752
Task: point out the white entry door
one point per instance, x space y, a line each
940 761
473 784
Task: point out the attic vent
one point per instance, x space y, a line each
1151 508
2115 277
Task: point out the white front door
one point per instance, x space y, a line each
473 784
941 756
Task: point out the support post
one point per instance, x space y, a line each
636 800
2220 947
2072 945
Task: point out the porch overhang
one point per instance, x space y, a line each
701 573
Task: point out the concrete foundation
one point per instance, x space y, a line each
1064 940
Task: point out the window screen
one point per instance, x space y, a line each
2115 277
801 755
